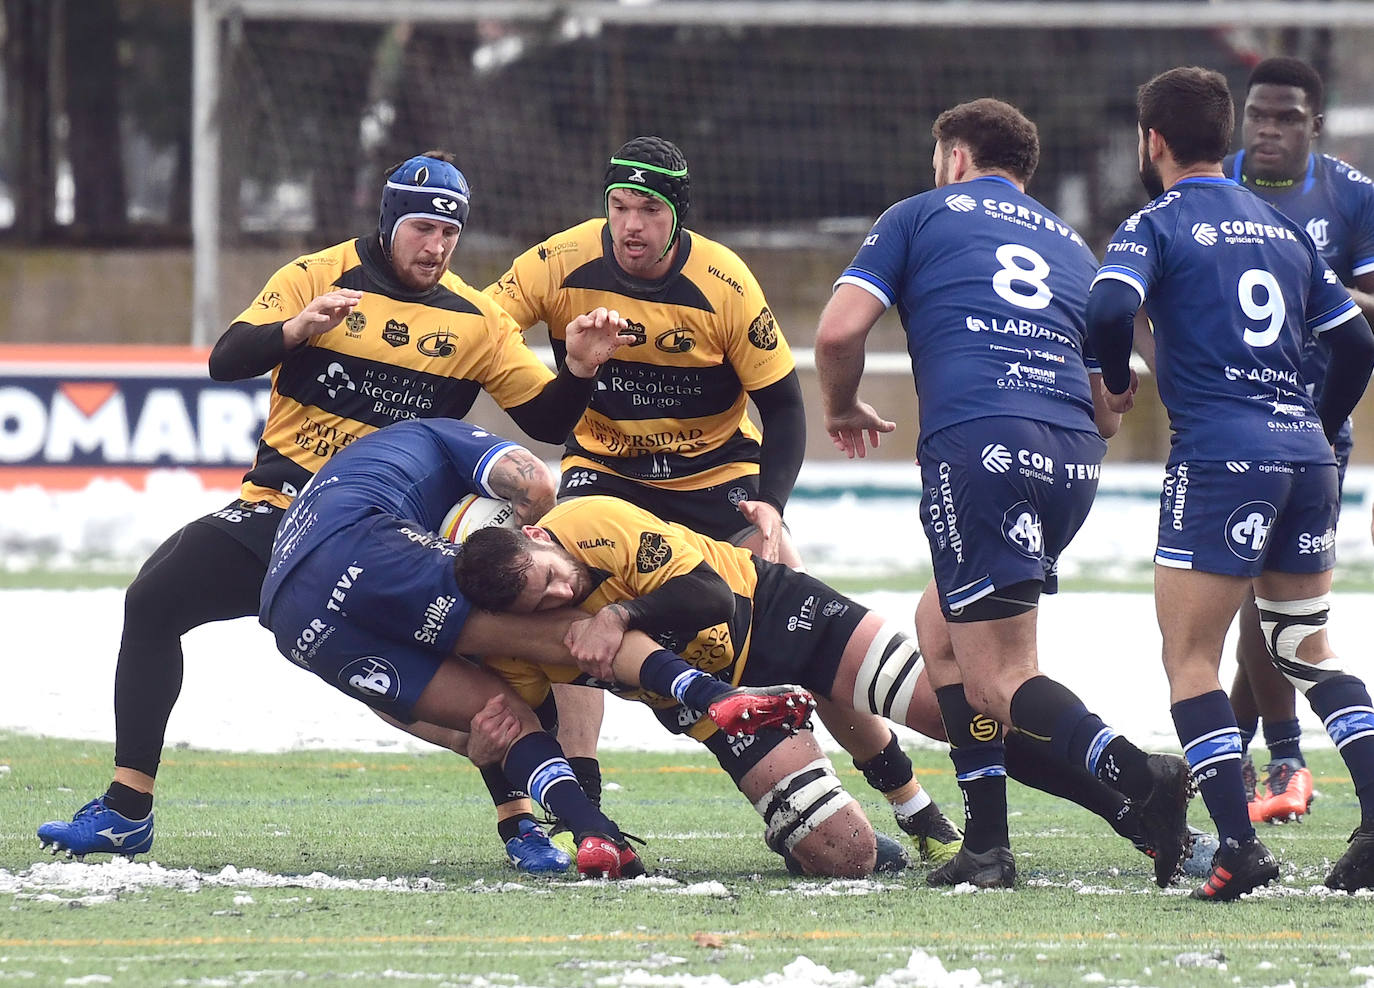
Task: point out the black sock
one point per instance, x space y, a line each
1031 763
979 766
889 769
128 802
509 828
588 772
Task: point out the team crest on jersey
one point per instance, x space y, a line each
653 553
1247 530
736 495
355 322
438 344
396 333
1319 229
676 340
269 300
636 329
763 331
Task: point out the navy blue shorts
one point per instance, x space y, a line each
1242 518
1002 497
373 611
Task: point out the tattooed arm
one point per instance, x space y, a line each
522 479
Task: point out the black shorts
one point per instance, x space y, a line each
738 757
252 524
800 630
712 511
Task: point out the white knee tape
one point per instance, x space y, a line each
801 802
887 677
1286 625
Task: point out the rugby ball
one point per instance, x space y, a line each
475 511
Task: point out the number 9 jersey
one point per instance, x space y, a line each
992 290
1234 290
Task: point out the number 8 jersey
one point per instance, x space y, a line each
992 290
1233 289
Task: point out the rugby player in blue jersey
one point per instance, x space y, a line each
1334 203
361 592
1235 290
991 288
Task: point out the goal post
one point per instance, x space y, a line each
802 120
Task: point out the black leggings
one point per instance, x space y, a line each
200 574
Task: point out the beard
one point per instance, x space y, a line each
1149 177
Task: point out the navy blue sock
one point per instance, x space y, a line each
1283 739
536 764
975 748
1342 703
668 674
1206 727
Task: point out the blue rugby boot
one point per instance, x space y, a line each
97 829
534 853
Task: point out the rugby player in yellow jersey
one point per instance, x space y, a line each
368 332
668 428
735 617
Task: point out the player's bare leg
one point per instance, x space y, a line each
807 811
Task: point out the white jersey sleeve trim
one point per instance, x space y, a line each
1125 277
866 285
1342 315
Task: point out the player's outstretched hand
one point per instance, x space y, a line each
594 641
766 519
1125 401
322 314
592 337
494 729
848 430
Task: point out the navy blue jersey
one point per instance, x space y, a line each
1234 290
992 290
1334 203
414 470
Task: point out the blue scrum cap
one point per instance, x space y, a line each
423 187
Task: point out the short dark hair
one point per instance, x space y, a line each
999 136
1285 70
1191 108
437 153
492 565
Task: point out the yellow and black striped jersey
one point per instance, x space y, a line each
632 553
397 356
671 409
